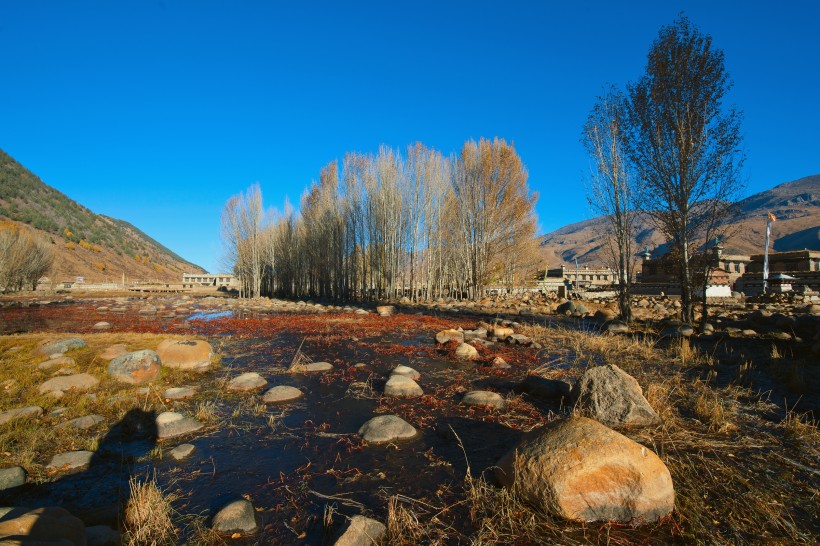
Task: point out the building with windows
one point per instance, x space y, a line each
220 280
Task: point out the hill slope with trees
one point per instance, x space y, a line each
85 244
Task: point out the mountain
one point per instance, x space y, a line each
85 244
796 205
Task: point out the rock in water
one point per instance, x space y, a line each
171 424
484 398
281 393
362 531
613 397
580 470
135 368
406 371
247 382
402 386
238 516
185 354
43 527
449 335
386 428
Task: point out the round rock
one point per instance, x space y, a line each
386 428
185 354
483 398
135 368
238 516
362 531
281 393
247 382
406 371
171 424
402 386
580 470
466 351
12 477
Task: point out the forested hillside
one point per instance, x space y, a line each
85 244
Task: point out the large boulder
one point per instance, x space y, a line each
386 428
42 527
580 470
238 516
465 351
362 531
185 354
613 397
135 368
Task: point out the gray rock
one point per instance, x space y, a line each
73 460
82 423
402 386
281 393
181 451
362 531
28 412
615 327
500 363
247 382
135 368
171 424
59 361
102 325
62 346
179 393
483 398
238 516
315 367
613 397
386 428
12 477
520 339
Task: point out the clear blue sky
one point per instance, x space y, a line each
157 112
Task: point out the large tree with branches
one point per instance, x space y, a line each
685 144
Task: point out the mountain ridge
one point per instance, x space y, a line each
795 204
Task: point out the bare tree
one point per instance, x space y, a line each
683 143
610 191
23 258
242 225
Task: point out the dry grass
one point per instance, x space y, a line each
710 409
148 519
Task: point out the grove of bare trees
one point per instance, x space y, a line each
392 225
23 258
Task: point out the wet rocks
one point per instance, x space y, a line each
483 398
362 531
179 393
171 424
135 368
12 477
58 385
51 347
406 371
28 412
42 527
182 451
386 428
281 393
613 397
185 354
580 470
402 386
445 336
238 516
71 461
248 381
465 351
